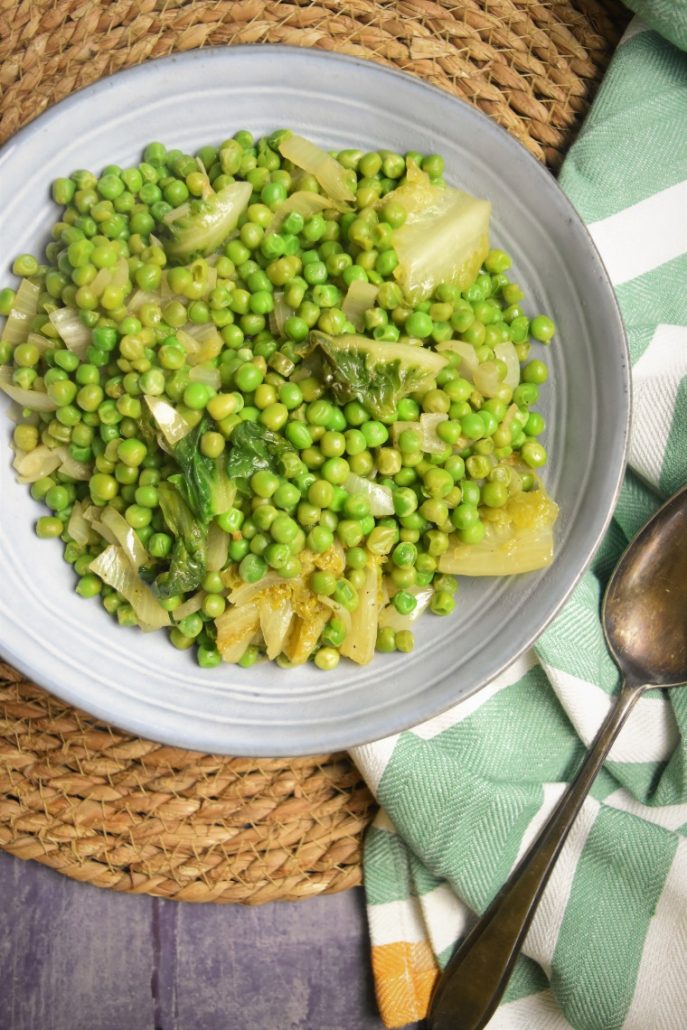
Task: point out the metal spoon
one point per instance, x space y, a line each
645 623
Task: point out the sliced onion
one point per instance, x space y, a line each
140 298
125 536
102 279
487 378
187 341
338 609
40 341
389 616
218 548
279 314
468 356
33 465
380 497
359 645
247 591
177 212
305 202
76 336
172 425
206 374
120 273
71 467
326 169
276 617
114 568
194 604
360 297
77 527
235 629
22 313
507 353
25 398
431 441
209 343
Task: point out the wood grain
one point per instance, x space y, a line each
75 957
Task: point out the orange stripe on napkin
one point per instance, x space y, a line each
404 976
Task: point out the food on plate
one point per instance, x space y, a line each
275 399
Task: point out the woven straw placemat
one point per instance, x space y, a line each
111 809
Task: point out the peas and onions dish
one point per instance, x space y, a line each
275 400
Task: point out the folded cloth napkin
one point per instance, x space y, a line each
464 794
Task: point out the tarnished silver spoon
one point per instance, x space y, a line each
645 623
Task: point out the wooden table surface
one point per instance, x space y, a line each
76 957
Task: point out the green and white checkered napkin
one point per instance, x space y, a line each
464 794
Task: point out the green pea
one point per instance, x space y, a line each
386 640
442 603
321 493
535 424
252 568
320 539
323 583
535 372
327 658
132 452
472 534
196 396
376 434
404 555
284 529
533 454
346 595
264 483
336 470
208 658
48 527
404 602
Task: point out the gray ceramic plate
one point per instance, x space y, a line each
138 681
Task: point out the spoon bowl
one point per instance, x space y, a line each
645 606
644 618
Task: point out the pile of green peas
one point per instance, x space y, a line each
106 260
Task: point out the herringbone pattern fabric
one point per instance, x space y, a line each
463 795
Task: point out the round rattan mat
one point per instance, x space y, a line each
120 812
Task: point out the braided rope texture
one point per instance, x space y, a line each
116 811
127 814
533 65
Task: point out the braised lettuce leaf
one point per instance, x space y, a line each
188 562
375 373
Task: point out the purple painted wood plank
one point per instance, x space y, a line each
69 960
73 957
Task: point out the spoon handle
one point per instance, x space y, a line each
479 970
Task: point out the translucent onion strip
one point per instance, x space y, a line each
194 604
206 374
114 568
25 398
172 425
380 497
304 202
22 313
468 356
359 298
326 169
218 548
71 467
33 465
507 353
75 335
126 537
77 527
